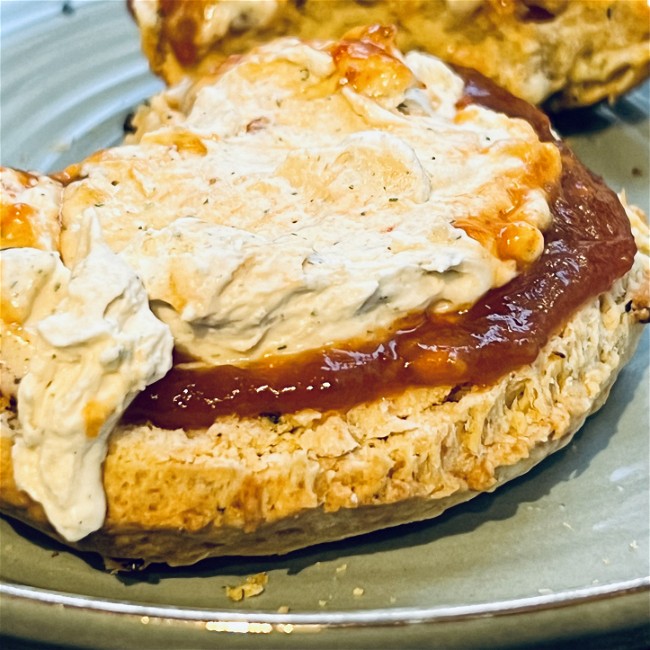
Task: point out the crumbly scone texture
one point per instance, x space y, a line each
257 486
566 53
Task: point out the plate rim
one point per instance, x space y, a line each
332 618
28 602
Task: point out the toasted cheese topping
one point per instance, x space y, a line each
91 344
317 193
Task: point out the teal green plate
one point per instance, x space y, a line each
557 555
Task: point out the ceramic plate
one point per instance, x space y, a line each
559 554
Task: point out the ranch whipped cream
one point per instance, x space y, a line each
92 345
276 208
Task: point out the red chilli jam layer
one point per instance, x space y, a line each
587 248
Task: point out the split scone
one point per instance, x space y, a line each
564 52
330 289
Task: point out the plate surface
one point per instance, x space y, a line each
560 553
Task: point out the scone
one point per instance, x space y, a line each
330 289
564 53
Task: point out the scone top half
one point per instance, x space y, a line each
314 227
557 52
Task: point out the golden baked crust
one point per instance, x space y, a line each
564 52
253 486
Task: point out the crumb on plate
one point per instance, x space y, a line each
253 586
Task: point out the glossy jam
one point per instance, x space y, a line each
588 246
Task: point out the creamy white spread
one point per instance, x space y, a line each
273 210
94 344
30 282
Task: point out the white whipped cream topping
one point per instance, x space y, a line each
30 282
276 211
94 344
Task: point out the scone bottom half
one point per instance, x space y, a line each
396 443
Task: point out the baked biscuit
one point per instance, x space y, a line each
384 296
564 53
